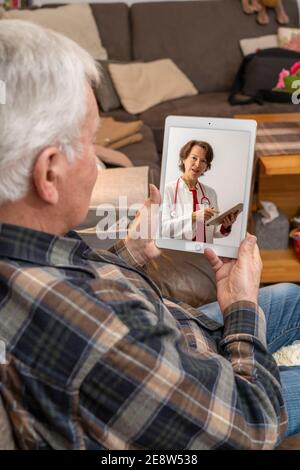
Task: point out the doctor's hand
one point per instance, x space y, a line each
237 279
205 214
229 220
139 240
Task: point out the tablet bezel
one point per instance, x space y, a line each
247 125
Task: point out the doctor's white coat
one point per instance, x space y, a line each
177 218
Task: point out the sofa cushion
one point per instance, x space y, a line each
248 46
120 115
74 21
184 276
142 85
106 93
205 104
112 20
182 31
289 38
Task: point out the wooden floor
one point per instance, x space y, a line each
280 266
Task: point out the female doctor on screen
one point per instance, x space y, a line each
188 203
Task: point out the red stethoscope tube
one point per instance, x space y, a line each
204 200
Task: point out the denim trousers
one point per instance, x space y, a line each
281 305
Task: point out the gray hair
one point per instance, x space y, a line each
45 76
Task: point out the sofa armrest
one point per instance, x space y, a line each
6 437
184 276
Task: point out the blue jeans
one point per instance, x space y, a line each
281 304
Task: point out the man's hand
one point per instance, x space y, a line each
237 279
139 240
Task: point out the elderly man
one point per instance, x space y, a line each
96 358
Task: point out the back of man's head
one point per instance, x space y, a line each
45 76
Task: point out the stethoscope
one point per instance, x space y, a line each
204 200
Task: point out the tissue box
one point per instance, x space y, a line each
274 235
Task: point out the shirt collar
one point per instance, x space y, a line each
41 248
185 186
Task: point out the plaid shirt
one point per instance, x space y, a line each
96 358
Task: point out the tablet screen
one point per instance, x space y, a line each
206 171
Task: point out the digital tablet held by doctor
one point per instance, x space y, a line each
219 218
206 173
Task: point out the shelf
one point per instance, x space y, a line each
280 164
280 266
275 117
278 181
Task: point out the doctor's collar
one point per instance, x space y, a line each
186 186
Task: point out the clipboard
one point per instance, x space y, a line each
217 219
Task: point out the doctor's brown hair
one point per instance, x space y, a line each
186 150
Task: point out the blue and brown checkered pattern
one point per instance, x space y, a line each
96 358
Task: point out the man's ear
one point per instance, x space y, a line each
49 167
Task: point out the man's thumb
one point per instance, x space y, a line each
154 195
248 244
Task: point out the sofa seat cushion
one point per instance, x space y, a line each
119 115
184 276
205 104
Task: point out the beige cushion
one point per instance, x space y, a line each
142 85
113 183
289 38
251 45
6 438
74 21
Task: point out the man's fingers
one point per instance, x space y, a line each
214 260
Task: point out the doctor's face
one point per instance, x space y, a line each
195 164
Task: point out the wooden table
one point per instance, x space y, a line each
279 182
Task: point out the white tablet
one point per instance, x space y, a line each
218 219
207 166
